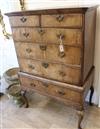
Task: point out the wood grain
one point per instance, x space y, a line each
19 21
72 55
61 20
50 35
89 41
66 77
50 89
53 71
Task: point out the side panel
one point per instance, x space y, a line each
89 41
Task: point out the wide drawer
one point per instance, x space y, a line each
71 55
62 20
50 89
24 20
48 35
51 70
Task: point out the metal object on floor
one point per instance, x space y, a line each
14 93
11 75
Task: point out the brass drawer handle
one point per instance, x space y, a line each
31 66
61 92
26 34
32 84
23 19
45 84
61 54
41 31
28 50
62 73
45 65
60 18
43 47
60 36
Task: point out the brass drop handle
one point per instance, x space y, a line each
61 92
28 50
31 66
60 36
43 47
60 18
45 65
23 19
26 34
32 84
45 84
41 31
62 73
61 54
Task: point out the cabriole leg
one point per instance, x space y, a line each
80 118
91 95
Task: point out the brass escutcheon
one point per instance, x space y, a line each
61 54
62 73
26 34
31 66
28 50
43 47
23 19
41 31
45 65
60 18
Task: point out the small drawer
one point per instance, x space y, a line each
51 70
50 89
24 20
71 55
62 20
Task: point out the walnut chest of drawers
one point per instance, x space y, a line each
55 51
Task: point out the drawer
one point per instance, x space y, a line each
48 35
50 89
24 20
71 55
62 20
51 70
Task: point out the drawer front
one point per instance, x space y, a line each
26 35
29 50
24 20
51 70
51 35
50 89
71 55
62 20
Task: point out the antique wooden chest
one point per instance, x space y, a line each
55 50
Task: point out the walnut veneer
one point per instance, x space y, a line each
55 50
